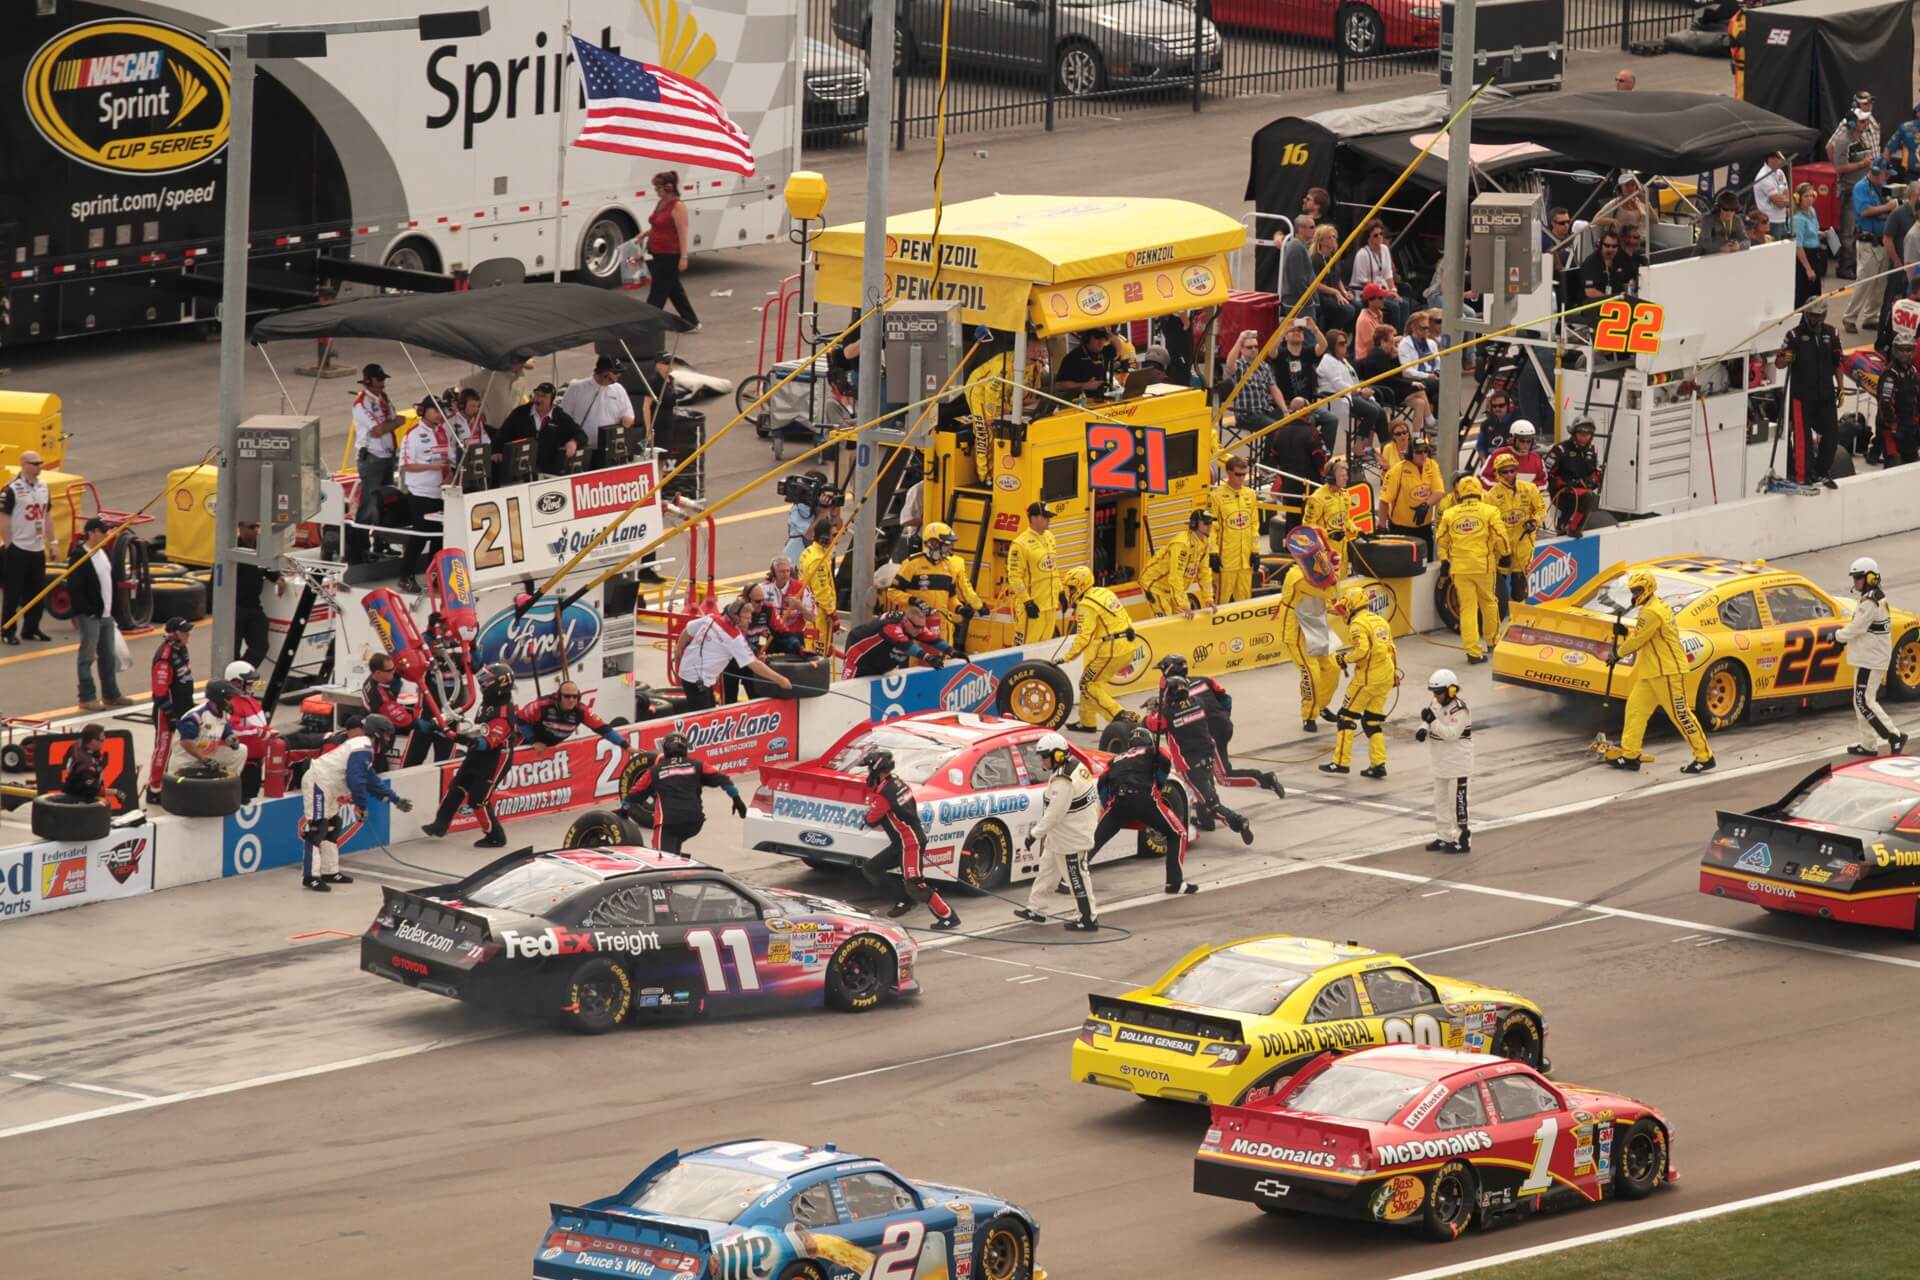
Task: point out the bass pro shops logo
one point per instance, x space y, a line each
129 97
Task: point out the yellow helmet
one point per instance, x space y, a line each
1505 463
1641 586
936 532
1468 488
1078 579
1351 601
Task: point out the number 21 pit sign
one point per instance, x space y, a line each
526 530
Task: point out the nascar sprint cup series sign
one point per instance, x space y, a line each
529 530
129 97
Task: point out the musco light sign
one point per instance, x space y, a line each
129 97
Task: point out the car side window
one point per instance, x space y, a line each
628 906
1396 990
1516 1097
1336 1000
705 901
874 1195
1796 604
1463 1110
813 1206
1740 613
1036 770
994 769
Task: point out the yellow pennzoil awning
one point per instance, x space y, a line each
1064 262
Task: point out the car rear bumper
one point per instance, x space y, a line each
1890 908
409 970
1150 1074
1273 1188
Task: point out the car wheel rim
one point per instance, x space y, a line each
1449 1198
1359 33
1077 73
1641 1158
1034 701
600 254
1518 1046
981 860
1001 1258
1723 694
1907 663
406 260
859 976
596 998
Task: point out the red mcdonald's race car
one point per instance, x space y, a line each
1410 1135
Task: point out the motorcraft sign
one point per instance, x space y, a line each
526 530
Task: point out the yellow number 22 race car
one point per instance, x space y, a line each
1228 1023
1757 639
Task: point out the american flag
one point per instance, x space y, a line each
641 110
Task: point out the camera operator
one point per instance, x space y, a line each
810 495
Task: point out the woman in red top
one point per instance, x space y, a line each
667 239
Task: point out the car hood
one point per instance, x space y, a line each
823 59
1137 18
806 906
1453 991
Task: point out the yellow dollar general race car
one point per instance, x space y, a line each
1230 1023
1759 640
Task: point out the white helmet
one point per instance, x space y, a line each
1053 750
239 674
1865 564
1523 428
1866 575
1443 679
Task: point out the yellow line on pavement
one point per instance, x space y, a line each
75 648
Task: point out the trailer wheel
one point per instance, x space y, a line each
57 816
600 248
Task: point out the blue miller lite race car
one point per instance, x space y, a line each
764 1210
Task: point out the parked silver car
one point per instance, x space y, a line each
1085 45
836 89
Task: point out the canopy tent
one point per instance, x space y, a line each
1649 130
1806 60
1064 262
493 328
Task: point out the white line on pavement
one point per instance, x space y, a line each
938 1057
1024 964
22 1075
1646 917
1655 1224
1435 893
1505 937
1710 942
252 1082
1341 798
100 1088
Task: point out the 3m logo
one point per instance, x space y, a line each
1777 36
1295 153
129 97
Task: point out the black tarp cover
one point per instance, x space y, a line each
1650 130
1806 60
492 328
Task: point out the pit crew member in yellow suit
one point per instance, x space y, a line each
1327 510
1372 672
816 575
1236 532
937 578
1660 677
1521 509
1103 631
1033 583
1472 538
1177 576
1304 634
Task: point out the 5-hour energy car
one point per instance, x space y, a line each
1842 845
978 780
767 1210
591 936
1759 640
1227 1023
1408 1134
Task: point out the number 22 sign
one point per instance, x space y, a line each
1629 326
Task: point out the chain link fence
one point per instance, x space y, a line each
1026 62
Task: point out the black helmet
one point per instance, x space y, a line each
1175 688
496 679
177 624
220 694
877 763
675 746
1174 664
377 727
1141 736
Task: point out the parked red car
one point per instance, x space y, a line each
1375 26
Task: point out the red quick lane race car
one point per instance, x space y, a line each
590 936
1842 845
1406 1135
977 778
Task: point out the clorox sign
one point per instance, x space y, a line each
971 689
1552 574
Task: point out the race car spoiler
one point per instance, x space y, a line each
1797 843
611 1237
462 926
1175 1022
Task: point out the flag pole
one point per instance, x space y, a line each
560 167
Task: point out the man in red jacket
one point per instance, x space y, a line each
172 682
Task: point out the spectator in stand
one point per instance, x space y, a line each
1419 349
1259 403
1317 202
1869 207
90 589
1722 231
599 401
1372 314
1759 230
1809 245
1772 196
1893 241
1373 264
1496 426
668 239
1398 445
708 645
1296 373
1296 267
1414 404
1175 332
1605 273
1333 302
26 527
426 463
789 608
1357 412
1851 147
1519 447
1903 149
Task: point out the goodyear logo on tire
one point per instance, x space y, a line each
130 97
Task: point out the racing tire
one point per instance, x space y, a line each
860 973
68 819
1724 693
179 597
810 678
1359 29
1446 600
1035 691
1640 1160
13 758
1005 1249
1182 805
1078 70
602 827
1520 1039
1113 738
1903 673
595 997
986 859
1450 1201
200 793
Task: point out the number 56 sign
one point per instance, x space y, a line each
1629 327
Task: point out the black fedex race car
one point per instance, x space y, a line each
587 936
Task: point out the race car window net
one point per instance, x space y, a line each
1462 1111
702 901
1518 1097
1845 801
994 769
1676 591
1740 613
1396 990
813 1206
914 759
710 1191
1793 603
874 1195
532 886
1235 981
1348 1092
